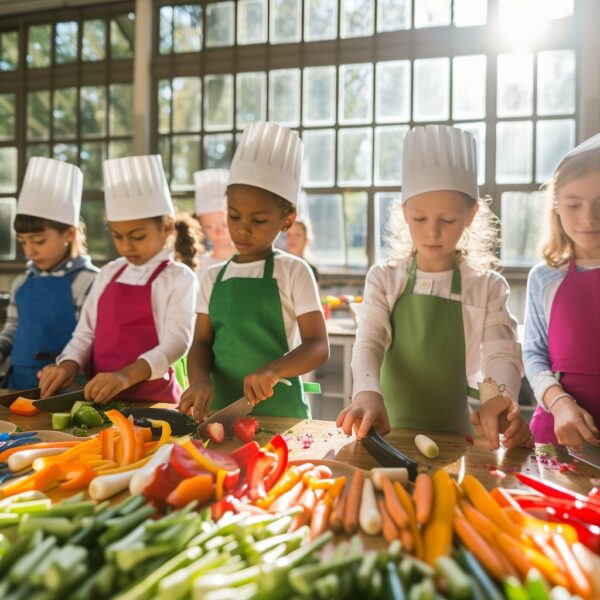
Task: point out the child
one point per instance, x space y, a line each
211 210
46 300
432 319
138 319
562 323
299 237
251 310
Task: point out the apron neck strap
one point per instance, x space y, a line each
118 273
456 284
269 263
572 265
412 276
158 271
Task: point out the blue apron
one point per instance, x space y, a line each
46 320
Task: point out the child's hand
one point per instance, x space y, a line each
103 387
365 411
258 386
573 426
196 400
54 378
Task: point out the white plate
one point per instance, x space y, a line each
7 426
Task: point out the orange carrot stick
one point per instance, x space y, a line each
579 582
320 518
392 503
423 497
389 529
336 518
288 499
407 504
353 503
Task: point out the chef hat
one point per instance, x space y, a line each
135 187
51 190
211 188
269 157
439 157
589 145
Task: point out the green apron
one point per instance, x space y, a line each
247 320
423 374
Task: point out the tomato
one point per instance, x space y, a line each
245 428
215 433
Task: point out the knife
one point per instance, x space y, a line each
228 416
8 399
59 402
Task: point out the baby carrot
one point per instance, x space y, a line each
353 503
392 503
389 529
320 518
423 497
336 518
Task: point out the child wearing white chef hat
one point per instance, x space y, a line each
259 318
46 300
211 211
138 319
435 318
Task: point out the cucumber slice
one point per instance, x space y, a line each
61 421
78 404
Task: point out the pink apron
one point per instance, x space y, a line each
125 329
574 346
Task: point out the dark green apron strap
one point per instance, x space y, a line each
269 264
456 284
472 393
411 276
222 271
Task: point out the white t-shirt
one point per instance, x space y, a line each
297 288
173 295
205 261
491 345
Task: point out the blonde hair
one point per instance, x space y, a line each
555 246
477 245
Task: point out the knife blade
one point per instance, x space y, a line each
229 415
8 399
59 402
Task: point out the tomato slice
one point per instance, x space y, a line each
245 428
164 480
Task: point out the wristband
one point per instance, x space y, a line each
559 397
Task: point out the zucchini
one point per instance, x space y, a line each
387 455
458 582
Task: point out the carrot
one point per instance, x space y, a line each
320 518
393 505
579 582
300 520
478 520
543 543
336 518
389 529
24 407
139 443
409 507
7 453
423 497
437 535
407 540
288 499
479 547
308 499
353 503
290 478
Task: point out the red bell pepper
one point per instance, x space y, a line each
279 447
555 490
244 453
218 509
164 480
259 467
577 509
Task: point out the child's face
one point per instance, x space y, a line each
436 221
214 225
139 240
578 207
255 218
47 248
296 239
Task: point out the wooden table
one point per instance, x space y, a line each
322 440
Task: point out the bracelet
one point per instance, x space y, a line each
559 397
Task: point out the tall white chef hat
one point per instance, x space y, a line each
439 157
51 190
211 188
269 157
135 187
589 145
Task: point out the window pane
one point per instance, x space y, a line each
320 20
122 36
93 112
389 143
66 152
66 42
99 243
478 132
356 94
218 104
518 11
285 21
431 89
186 160
218 151
219 24
7 116
319 96
187 103
8 170
515 84
9 50
327 218
252 22
37 150
164 106
164 149
94 40
514 152
120 148
65 113
356 210
251 105
92 156
165 30
556 82
356 18
284 97
468 87
120 115
188 28
393 91
39 45
468 13
393 15
319 157
38 115
521 227
432 13
8 238
384 203
553 140
355 149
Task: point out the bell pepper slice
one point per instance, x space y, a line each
140 441
221 476
555 491
125 428
198 488
279 447
288 480
258 471
24 407
164 481
244 453
565 508
76 476
107 443
210 460
41 481
218 509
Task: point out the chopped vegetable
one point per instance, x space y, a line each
215 433
61 421
426 446
88 416
24 407
245 428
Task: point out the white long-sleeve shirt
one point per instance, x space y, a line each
491 345
173 293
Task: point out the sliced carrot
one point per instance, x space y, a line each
40 481
300 520
388 527
107 443
198 488
308 499
392 503
66 445
353 503
146 432
407 504
76 476
423 497
140 442
320 518
336 518
24 407
478 520
290 478
579 581
288 499
407 540
125 428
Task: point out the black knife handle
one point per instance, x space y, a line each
388 456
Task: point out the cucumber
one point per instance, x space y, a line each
88 416
61 421
79 404
458 582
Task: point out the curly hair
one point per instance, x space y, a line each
188 239
31 224
478 245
